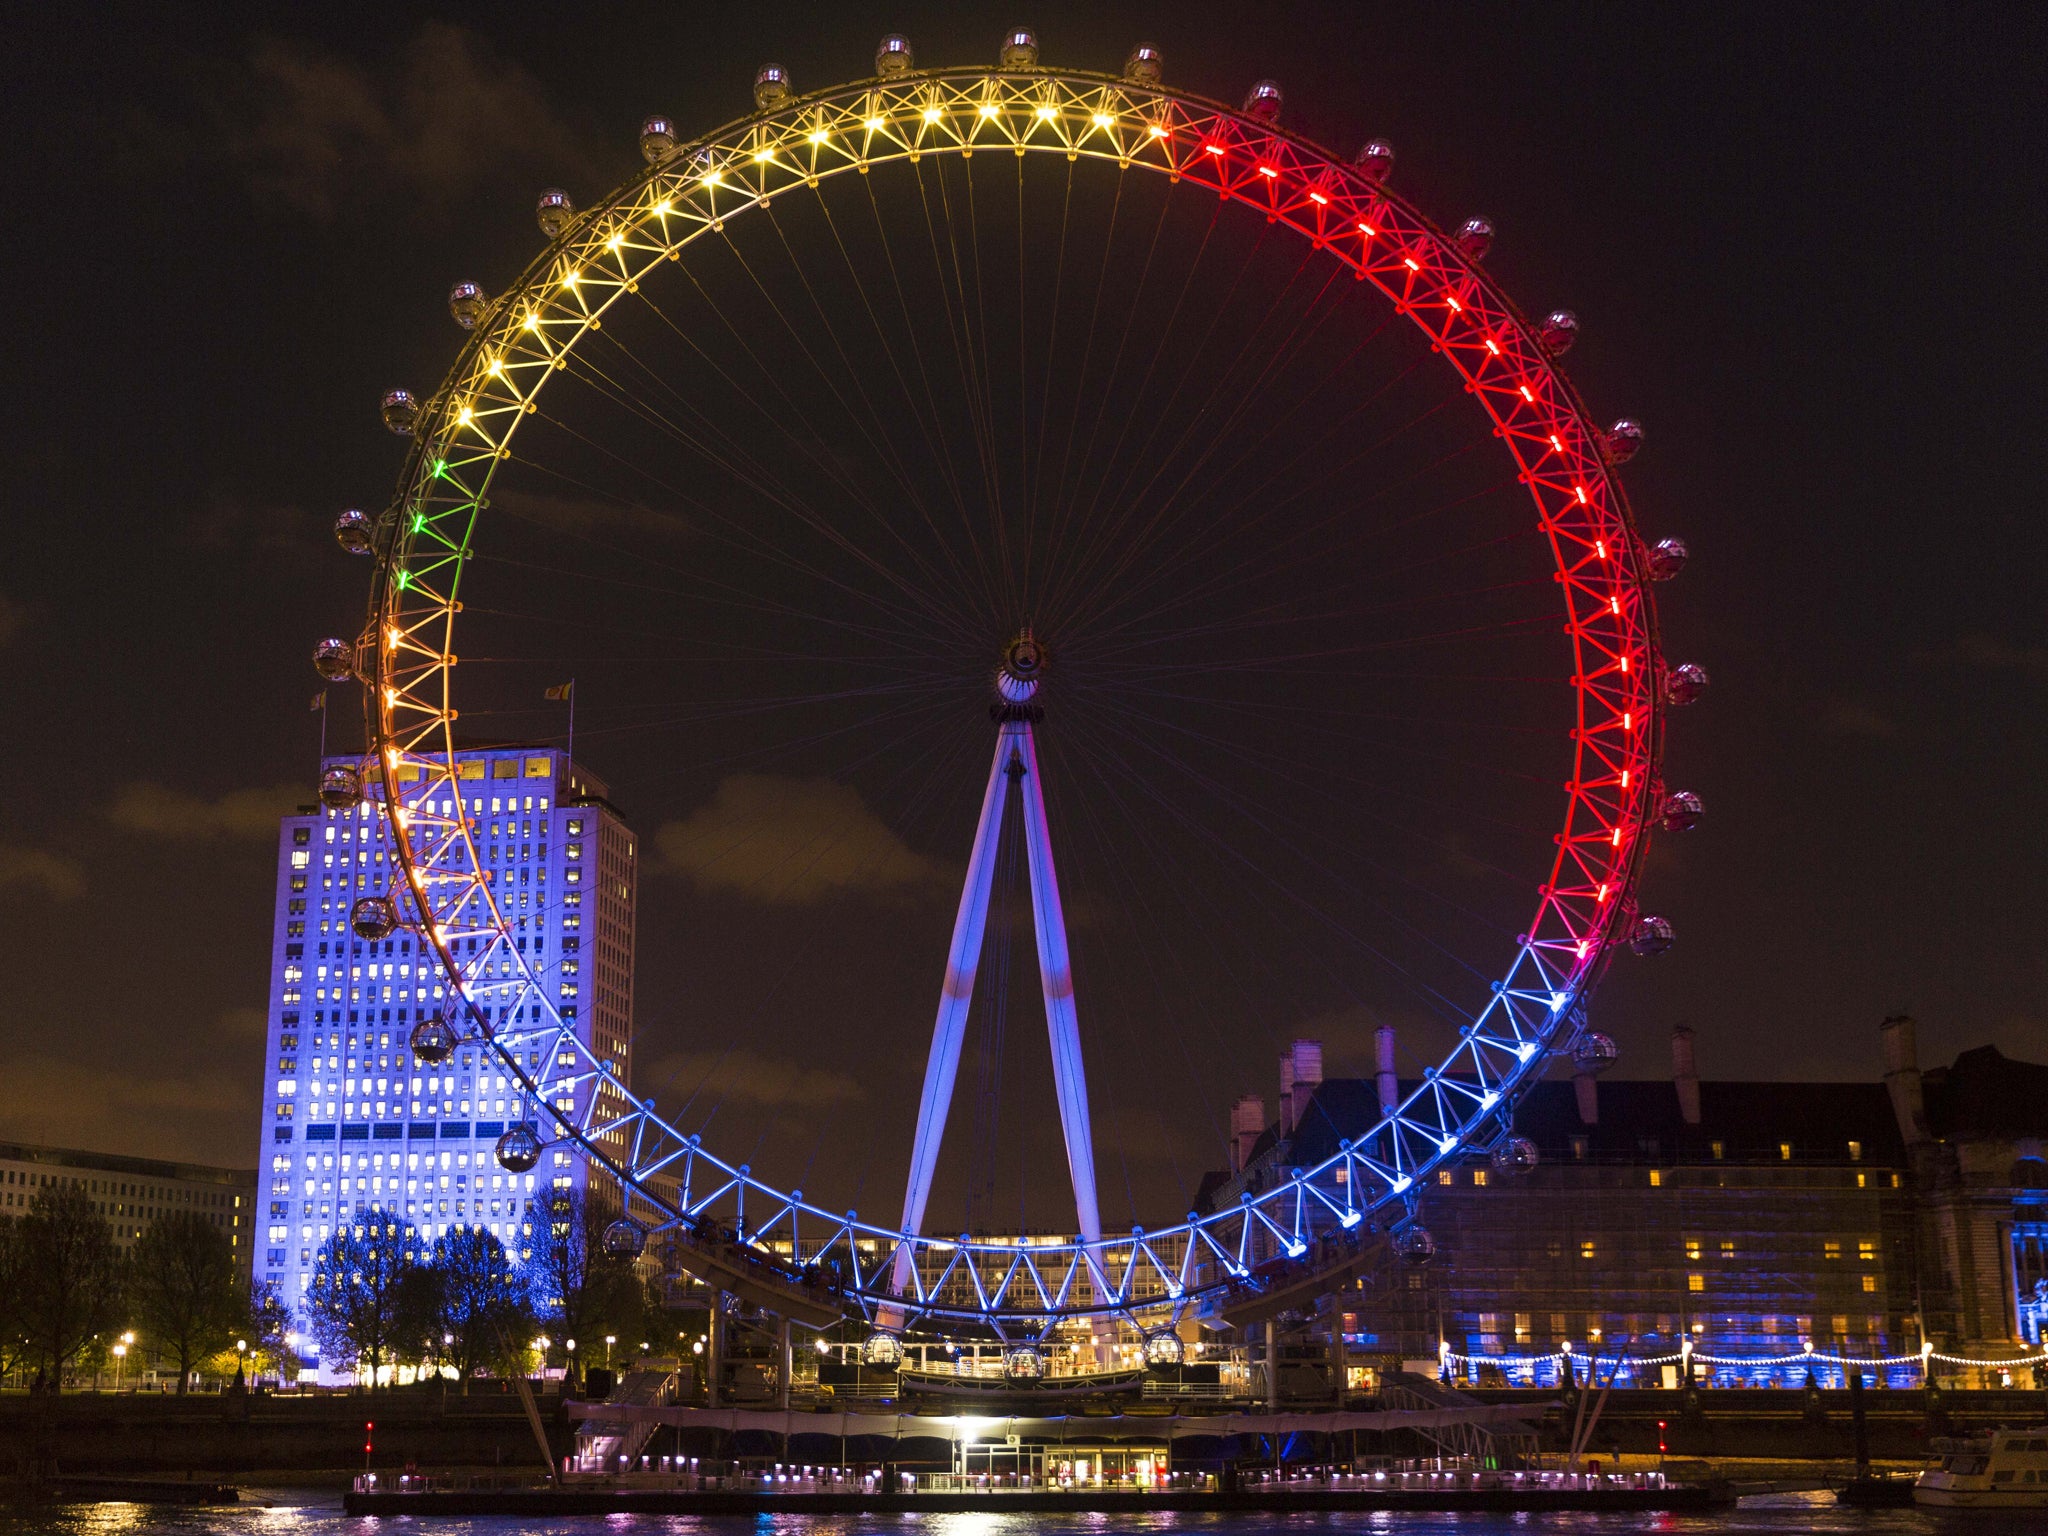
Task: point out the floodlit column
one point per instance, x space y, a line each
950 1028
1056 977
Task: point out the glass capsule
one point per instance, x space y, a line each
1374 160
518 1149
1020 49
400 411
1681 811
554 211
1517 1154
881 1350
1415 1247
1668 558
352 531
771 87
373 917
1474 239
625 1239
1622 441
894 56
335 660
433 1041
341 788
1164 1349
467 303
1263 101
1594 1053
1559 330
1146 65
657 139
1684 684
1652 936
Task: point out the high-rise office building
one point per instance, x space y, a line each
352 1121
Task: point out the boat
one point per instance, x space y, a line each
2006 1469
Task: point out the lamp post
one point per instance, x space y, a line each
609 1340
120 1361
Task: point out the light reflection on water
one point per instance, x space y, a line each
317 1512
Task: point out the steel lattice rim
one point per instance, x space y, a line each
463 431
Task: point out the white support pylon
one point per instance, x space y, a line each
1016 759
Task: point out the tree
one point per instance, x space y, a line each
580 1291
183 1289
66 1280
354 1303
267 1325
14 1348
483 1315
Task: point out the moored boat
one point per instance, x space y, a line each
2006 1469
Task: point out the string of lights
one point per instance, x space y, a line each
1806 1356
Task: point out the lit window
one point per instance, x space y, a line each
1695 1282
1785 1151
1586 1248
1855 1151
1719 1149
1831 1249
1445 1176
1870 1283
1866 1249
1656 1178
1479 1177
1692 1247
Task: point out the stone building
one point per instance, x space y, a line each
1751 1219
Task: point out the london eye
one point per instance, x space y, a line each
1153 546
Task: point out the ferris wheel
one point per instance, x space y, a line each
1254 527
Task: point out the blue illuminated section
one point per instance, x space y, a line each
352 1122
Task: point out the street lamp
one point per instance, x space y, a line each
120 1360
609 1340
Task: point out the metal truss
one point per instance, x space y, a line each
715 1212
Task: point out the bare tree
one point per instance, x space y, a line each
356 1301
66 1279
183 1289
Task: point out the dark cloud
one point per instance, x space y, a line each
319 131
160 811
744 1078
102 1106
1988 653
38 872
1846 717
588 517
790 841
13 618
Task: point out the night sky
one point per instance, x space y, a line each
1805 244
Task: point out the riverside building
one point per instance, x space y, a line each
352 1121
132 1192
1747 1219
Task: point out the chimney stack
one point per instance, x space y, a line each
1301 1073
1385 1078
1585 1088
1685 1073
1902 1076
1247 1124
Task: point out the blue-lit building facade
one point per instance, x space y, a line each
1735 1222
352 1121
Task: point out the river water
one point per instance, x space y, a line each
308 1512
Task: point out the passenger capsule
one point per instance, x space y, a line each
625 1239
1622 441
894 57
1375 160
1020 49
1684 684
1559 330
352 531
554 211
341 788
1415 1247
433 1041
884 1351
373 917
518 1149
1164 1350
1594 1053
1023 1362
1146 65
771 87
1653 935
335 660
400 411
1668 558
1474 239
1681 811
1516 1155
657 139
1263 101
467 303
